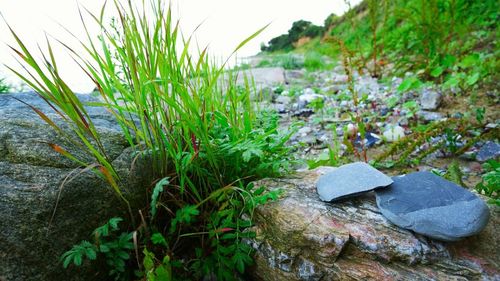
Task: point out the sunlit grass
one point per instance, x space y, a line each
198 130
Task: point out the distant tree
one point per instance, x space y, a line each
281 42
330 20
299 29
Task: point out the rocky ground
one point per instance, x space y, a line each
299 237
322 104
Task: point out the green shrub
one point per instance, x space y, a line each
115 248
298 30
287 61
204 140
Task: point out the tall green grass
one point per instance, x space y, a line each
198 129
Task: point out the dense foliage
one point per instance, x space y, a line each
440 40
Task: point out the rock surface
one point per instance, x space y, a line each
394 133
432 206
350 180
33 233
490 150
430 116
301 238
430 99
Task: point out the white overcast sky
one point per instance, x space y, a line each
225 24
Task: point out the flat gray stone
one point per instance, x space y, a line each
350 180
430 205
430 116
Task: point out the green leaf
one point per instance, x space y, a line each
470 61
452 81
437 71
91 254
103 248
184 215
392 101
156 194
410 83
113 222
104 230
448 61
158 239
410 104
123 255
471 80
77 259
147 261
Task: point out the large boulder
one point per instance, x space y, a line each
299 237
33 232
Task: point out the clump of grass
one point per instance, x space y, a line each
313 61
287 61
204 140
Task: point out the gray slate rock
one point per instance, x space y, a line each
430 99
430 205
350 180
490 150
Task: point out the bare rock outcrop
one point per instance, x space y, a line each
300 237
33 232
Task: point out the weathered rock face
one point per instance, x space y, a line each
301 238
33 236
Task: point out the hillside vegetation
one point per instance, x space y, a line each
448 41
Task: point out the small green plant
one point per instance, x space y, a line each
411 108
332 158
409 84
454 174
115 248
4 87
479 114
490 184
317 104
287 61
154 271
